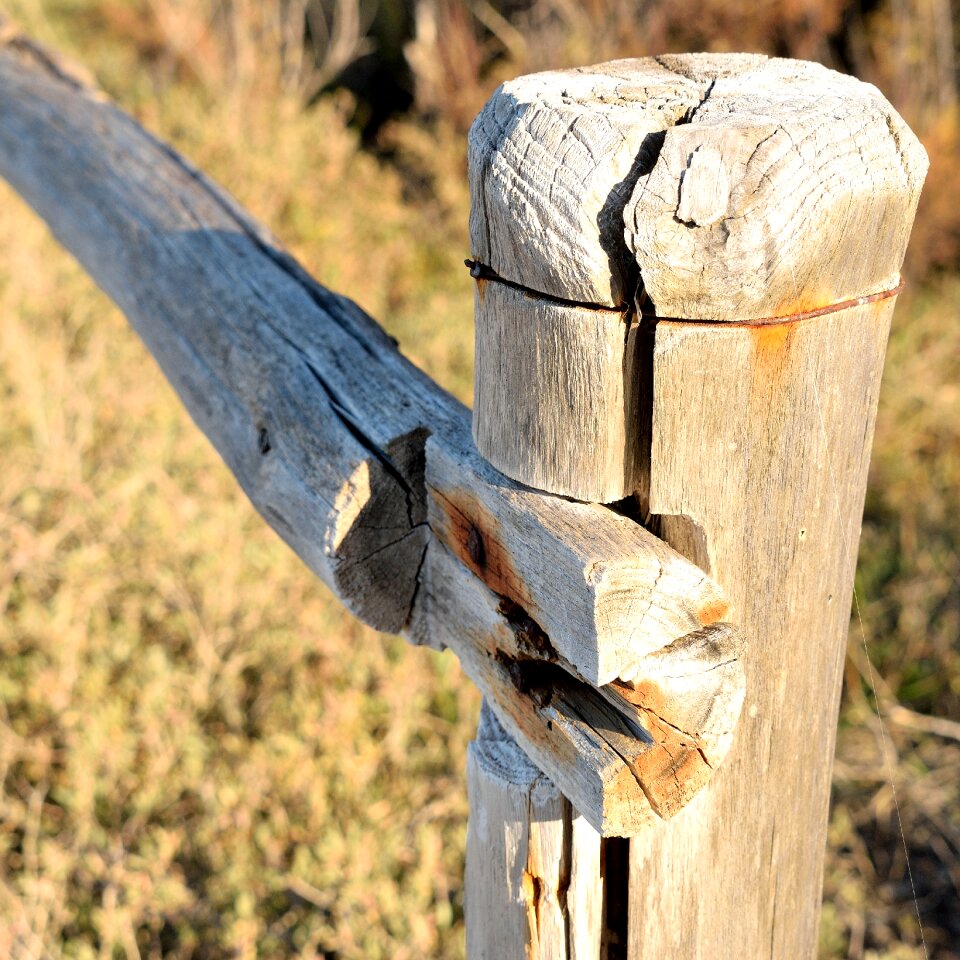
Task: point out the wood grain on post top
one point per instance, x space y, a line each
721 187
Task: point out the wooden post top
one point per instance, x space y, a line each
727 186
707 187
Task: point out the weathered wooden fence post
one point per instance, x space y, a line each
686 269
602 650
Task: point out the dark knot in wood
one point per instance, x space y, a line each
476 548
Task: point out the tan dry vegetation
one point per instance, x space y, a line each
202 756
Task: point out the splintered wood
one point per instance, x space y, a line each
686 271
728 188
533 862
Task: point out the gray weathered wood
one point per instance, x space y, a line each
584 366
553 158
309 402
278 372
693 180
769 200
785 192
532 861
325 425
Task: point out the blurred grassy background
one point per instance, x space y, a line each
202 756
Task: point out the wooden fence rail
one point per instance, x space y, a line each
605 652
363 464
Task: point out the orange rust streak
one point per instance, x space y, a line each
771 351
671 774
645 694
673 769
530 885
713 612
771 338
466 518
636 697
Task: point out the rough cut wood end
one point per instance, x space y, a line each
628 754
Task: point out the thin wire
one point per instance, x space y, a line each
891 769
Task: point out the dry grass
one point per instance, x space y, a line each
201 755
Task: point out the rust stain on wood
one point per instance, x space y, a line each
481 274
771 355
771 340
673 768
532 891
670 773
713 612
473 534
639 696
